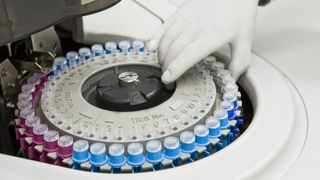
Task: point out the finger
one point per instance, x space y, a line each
192 54
154 41
183 40
169 36
241 57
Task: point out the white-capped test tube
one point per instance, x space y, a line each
97 50
111 48
124 46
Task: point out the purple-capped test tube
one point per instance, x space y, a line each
24 114
31 122
65 146
38 132
51 141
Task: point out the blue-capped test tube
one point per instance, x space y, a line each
154 153
116 157
228 106
60 65
124 46
222 115
202 137
172 149
138 46
98 156
80 153
85 54
135 156
73 59
188 143
231 97
59 62
97 50
111 48
213 124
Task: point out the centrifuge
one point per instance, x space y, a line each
90 104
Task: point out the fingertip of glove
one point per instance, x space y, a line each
166 77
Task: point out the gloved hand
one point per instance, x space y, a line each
200 27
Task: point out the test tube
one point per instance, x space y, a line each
39 132
31 122
28 88
213 124
24 104
65 146
188 142
231 97
209 60
24 96
222 115
116 156
228 106
172 148
227 80
216 66
124 46
34 80
51 141
85 54
24 114
111 48
135 155
154 152
97 50
232 88
98 156
59 62
201 135
138 46
80 153
73 58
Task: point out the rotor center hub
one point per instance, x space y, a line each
128 77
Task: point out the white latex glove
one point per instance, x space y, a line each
200 27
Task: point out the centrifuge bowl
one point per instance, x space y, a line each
266 150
